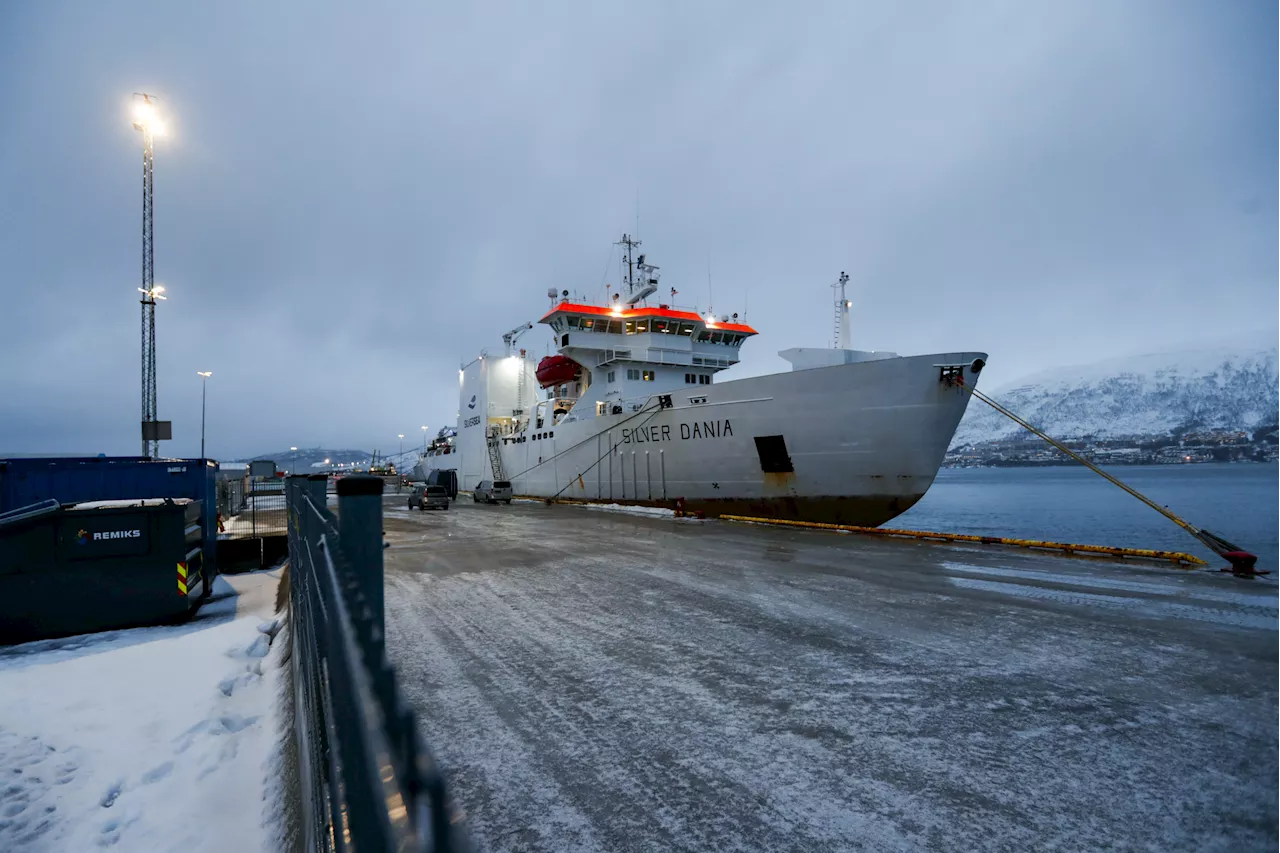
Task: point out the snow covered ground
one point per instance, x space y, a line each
598 681
146 739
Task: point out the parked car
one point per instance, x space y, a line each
426 496
492 491
447 477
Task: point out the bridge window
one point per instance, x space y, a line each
588 324
630 327
691 379
686 329
608 377
648 376
572 322
642 326
633 373
704 336
704 379
615 327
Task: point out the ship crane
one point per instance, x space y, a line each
512 336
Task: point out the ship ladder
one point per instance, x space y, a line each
495 454
1242 563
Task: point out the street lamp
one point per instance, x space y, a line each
204 398
424 441
294 451
401 443
145 120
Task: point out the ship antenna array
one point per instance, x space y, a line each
630 245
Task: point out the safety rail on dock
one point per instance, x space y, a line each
369 783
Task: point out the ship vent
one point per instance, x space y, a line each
773 454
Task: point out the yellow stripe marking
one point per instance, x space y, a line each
1177 557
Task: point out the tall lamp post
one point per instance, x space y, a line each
294 451
401 443
424 441
204 399
145 120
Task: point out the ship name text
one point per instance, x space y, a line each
685 432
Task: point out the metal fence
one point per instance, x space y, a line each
368 781
252 506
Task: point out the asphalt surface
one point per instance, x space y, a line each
594 681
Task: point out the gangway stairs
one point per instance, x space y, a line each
495 454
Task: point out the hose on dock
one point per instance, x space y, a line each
1242 563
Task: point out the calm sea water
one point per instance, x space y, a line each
1240 503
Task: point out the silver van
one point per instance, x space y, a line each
426 497
492 491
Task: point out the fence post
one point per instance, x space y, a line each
316 486
360 531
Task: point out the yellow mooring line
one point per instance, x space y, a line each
1178 558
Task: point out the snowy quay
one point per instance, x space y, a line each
603 681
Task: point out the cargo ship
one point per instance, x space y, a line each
629 410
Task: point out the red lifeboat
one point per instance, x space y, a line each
557 370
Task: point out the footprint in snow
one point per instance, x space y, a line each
113 793
155 774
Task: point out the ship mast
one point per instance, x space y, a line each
842 336
630 245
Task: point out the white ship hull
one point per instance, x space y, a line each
864 442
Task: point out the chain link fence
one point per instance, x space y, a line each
252 507
369 784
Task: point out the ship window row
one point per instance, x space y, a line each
697 379
640 375
641 327
537 436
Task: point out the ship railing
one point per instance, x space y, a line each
655 355
713 361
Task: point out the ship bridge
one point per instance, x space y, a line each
662 336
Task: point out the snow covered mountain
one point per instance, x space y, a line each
1218 387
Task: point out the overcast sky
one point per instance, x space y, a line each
354 198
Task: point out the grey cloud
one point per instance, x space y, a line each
351 203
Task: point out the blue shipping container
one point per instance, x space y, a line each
104 478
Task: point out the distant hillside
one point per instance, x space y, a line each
306 458
1222 387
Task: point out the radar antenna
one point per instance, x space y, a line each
642 278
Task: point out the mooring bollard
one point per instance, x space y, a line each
360 529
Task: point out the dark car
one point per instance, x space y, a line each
426 496
447 477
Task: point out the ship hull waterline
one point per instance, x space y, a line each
863 443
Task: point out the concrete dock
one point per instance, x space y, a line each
595 681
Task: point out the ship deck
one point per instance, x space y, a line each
601 681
